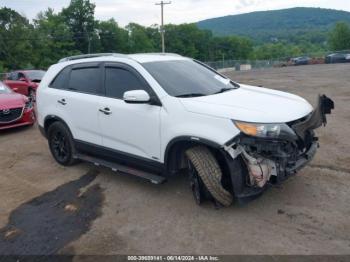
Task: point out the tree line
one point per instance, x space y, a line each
74 30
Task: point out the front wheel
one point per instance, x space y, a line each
208 170
61 144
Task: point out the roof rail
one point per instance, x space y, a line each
165 54
76 57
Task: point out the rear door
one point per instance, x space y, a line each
132 129
78 102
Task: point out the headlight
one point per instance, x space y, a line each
266 130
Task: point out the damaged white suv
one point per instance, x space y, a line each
156 115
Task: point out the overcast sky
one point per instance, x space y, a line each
145 12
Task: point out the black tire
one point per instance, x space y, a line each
61 144
210 173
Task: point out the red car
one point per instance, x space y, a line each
15 109
24 82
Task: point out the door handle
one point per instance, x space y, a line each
62 101
106 111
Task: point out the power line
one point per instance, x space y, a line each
162 3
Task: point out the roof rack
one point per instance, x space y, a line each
76 57
165 54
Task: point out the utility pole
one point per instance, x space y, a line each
162 31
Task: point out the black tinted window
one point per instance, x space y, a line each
119 80
185 77
85 80
60 81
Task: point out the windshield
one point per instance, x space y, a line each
187 78
35 74
4 89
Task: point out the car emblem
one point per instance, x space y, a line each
6 111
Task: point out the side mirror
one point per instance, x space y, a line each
136 97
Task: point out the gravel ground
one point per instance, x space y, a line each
46 208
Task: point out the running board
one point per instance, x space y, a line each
155 179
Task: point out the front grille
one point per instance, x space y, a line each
10 115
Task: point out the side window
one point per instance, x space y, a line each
9 76
60 81
13 76
120 80
21 76
86 80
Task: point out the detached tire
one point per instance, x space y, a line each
61 144
209 171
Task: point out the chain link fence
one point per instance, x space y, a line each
313 58
245 64
3 76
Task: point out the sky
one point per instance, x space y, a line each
146 13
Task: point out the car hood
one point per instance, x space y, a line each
250 104
13 100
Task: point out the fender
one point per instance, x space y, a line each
190 140
51 118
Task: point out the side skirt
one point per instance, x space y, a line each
155 179
122 158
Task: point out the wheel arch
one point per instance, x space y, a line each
49 120
175 149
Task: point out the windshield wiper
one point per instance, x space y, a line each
191 95
225 89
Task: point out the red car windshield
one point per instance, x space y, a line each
35 74
4 89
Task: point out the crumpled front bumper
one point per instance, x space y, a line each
303 160
286 156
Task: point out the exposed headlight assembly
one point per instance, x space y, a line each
266 130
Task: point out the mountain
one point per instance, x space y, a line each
273 25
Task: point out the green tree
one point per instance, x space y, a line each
230 47
188 40
15 40
339 38
139 40
79 16
54 39
112 38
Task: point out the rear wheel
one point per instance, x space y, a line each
209 173
61 144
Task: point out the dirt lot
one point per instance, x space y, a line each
46 208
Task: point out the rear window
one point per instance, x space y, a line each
85 80
60 82
35 74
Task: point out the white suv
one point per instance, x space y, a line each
154 115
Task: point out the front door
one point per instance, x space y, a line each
130 129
